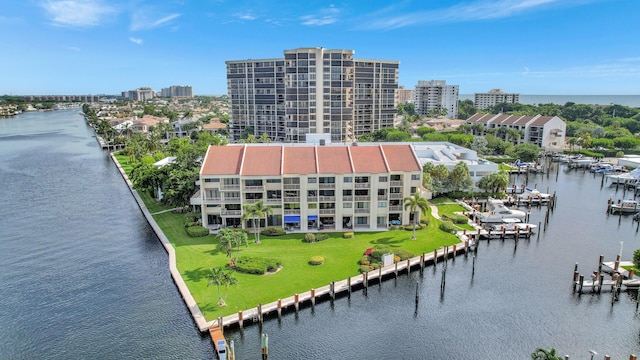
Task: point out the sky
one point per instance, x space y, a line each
535 47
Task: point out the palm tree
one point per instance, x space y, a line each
226 240
415 204
240 238
221 277
249 212
544 354
262 211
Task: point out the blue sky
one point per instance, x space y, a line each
525 46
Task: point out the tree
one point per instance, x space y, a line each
636 258
479 144
439 175
496 182
415 204
253 212
226 241
526 152
544 354
466 108
459 178
262 211
221 277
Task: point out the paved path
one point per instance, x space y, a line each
164 211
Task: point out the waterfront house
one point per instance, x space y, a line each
548 132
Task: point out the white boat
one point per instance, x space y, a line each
628 206
498 212
512 225
624 178
533 195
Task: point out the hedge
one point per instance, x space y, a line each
447 226
309 238
197 231
257 266
273 231
348 235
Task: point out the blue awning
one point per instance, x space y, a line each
312 217
292 219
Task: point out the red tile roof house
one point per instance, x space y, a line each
332 187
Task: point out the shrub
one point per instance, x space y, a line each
273 231
364 268
320 237
396 258
636 258
365 262
447 226
365 258
424 220
403 254
309 238
197 231
256 266
410 227
316 260
348 235
376 254
460 219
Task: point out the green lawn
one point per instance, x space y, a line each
124 161
195 256
451 209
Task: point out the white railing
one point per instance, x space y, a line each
327 186
231 212
362 198
291 186
253 188
347 198
362 185
395 196
362 211
327 198
231 187
382 197
397 183
291 211
327 211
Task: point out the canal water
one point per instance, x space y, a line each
83 276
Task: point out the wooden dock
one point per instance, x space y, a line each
346 286
217 337
619 277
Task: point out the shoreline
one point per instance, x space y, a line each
196 314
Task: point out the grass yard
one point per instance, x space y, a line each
195 256
450 210
124 161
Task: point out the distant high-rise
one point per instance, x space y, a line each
434 96
177 91
404 95
139 94
494 96
311 91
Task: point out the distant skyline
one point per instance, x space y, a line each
554 47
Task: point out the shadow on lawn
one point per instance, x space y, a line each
387 241
196 275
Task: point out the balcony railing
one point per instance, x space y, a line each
327 198
252 201
327 211
362 211
253 188
292 199
213 199
230 187
274 200
382 197
362 185
312 198
395 208
397 183
291 211
291 186
327 186
231 212
233 200
347 198
395 196
363 198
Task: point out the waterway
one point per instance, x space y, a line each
83 276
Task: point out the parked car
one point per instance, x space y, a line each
394 222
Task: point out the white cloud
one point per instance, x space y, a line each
141 21
77 13
325 16
136 40
247 17
462 12
73 48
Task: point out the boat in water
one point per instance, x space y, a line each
512 225
530 194
627 206
498 212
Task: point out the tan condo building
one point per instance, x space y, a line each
309 187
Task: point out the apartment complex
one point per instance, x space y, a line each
311 91
309 187
548 132
436 95
139 94
405 95
177 91
494 96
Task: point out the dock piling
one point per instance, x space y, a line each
265 346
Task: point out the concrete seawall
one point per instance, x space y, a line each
199 319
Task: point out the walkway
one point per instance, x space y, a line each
164 211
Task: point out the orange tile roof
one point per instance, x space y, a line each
262 160
223 160
300 160
214 125
368 159
401 158
333 160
